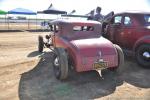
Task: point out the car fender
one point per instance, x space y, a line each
142 40
75 55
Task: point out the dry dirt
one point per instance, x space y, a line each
27 75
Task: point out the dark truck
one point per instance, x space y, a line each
131 31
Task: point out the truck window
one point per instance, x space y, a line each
127 21
117 19
147 19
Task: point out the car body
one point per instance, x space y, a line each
131 31
79 44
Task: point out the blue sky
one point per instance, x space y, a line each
81 6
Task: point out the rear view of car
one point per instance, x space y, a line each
79 45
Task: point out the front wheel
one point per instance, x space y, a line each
60 64
143 55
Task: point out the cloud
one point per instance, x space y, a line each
81 6
124 5
28 4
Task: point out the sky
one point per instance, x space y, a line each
81 6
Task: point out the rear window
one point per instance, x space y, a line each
83 28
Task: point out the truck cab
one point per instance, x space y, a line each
131 31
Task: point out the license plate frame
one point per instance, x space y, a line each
100 65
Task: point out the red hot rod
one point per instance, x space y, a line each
79 44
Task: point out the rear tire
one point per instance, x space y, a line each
40 44
60 64
142 55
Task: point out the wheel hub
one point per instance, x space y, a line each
146 54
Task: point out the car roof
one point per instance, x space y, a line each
74 21
133 12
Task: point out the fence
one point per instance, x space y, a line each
22 24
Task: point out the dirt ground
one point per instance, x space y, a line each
26 74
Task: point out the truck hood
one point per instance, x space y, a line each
92 47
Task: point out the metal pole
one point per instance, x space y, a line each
5 20
28 23
36 21
8 21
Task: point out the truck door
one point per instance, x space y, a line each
114 29
127 32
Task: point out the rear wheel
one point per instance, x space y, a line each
143 55
60 64
40 44
120 58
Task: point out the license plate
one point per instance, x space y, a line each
100 65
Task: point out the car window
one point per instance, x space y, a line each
147 19
127 21
56 28
117 19
77 28
83 28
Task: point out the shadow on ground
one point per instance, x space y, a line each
40 83
34 54
135 74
